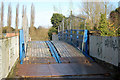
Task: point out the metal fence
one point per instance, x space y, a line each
73 30
77 38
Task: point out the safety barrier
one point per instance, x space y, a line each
9 53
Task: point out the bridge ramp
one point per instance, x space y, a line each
74 63
69 53
38 53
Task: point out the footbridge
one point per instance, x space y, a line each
66 57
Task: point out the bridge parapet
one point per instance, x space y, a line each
105 48
9 53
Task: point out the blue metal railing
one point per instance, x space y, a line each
22 46
53 51
78 38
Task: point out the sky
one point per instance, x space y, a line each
44 10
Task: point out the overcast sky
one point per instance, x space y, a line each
43 10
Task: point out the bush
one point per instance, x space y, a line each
51 30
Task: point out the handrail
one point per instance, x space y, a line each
78 40
53 51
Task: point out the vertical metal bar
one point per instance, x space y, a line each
67 24
83 36
22 48
70 23
86 41
63 25
66 34
71 34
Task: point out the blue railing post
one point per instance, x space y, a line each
77 38
22 47
86 41
66 34
71 35
77 34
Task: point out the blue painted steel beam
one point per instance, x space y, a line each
53 52
22 46
85 54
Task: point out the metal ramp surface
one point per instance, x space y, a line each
41 63
69 54
38 53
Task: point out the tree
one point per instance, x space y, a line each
32 28
32 16
103 25
5 29
107 28
93 10
9 18
23 10
51 30
115 19
17 19
56 19
2 16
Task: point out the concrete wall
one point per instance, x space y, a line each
54 37
9 52
105 48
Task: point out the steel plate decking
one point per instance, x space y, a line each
73 63
68 53
59 70
38 49
38 53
